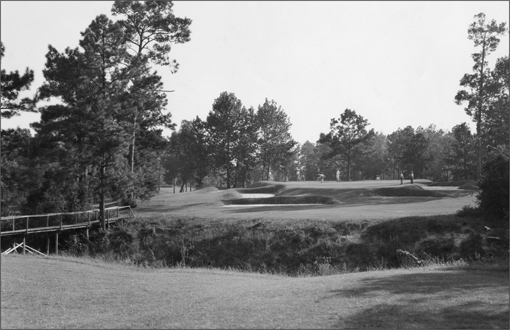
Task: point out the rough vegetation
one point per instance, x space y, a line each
301 248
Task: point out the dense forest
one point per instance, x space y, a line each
102 140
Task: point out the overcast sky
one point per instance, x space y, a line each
395 63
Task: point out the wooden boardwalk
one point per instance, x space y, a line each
58 222
53 222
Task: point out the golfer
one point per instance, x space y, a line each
337 175
401 178
412 176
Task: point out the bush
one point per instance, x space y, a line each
471 247
493 196
468 211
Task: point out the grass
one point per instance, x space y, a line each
63 292
334 240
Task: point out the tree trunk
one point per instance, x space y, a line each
102 200
132 161
479 120
349 165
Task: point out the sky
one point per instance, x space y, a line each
396 63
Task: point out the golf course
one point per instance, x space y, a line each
65 291
354 200
259 165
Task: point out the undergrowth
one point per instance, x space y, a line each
296 249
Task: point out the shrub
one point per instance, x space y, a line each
468 211
359 255
439 247
493 196
472 247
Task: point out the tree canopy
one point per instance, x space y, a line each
12 84
346 136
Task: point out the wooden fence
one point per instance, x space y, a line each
57 222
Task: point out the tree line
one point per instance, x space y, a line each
102 138
233 147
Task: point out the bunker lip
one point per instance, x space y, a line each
257 205
287 200
258 195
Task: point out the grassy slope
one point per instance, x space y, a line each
59 292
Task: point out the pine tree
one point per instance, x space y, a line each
274 139
484 35
150 28
12 84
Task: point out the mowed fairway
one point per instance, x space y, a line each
351 206
59 292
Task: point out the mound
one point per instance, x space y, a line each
281 200
259 184
452 183
269 189
471 185
206 190
231 194
407 191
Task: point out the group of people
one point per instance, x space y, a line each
411 176
322 176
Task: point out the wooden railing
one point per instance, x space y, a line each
18 224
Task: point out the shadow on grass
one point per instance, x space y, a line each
460 299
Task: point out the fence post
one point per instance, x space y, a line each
27 224
60 222
56 242
47 221
13 223
24 240
48 244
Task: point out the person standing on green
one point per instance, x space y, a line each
412 177
401 178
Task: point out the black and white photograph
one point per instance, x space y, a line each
254 164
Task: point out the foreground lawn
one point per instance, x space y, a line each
59 292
